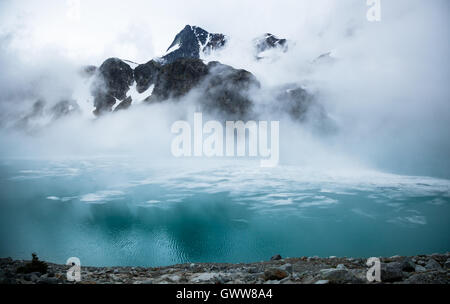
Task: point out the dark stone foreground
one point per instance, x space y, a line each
420 269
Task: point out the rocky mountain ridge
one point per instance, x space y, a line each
222 90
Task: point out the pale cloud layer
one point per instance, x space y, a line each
141 29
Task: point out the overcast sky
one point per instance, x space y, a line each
140 29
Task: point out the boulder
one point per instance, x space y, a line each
113 80
226 90
408 265
447 264
433 265
420 268
177 79
276 257
391 272
339 276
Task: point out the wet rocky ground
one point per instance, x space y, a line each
420 269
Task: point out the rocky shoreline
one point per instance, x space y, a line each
420 269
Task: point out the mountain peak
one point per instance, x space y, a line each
191 42
269 41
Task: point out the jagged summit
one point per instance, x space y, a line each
191 42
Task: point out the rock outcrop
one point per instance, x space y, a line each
113 80
222 89
269 41
146 75
177 78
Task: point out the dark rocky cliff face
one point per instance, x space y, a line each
220 89
118 77
113 80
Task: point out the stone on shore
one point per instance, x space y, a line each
276 257
391 272
275 274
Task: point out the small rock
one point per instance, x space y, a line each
420 268
275 274
322 282
204 277
391 272
447 264
27 277
276 258
116 270
341 267
408 265
175 278
433 265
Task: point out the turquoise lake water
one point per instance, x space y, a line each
119 212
